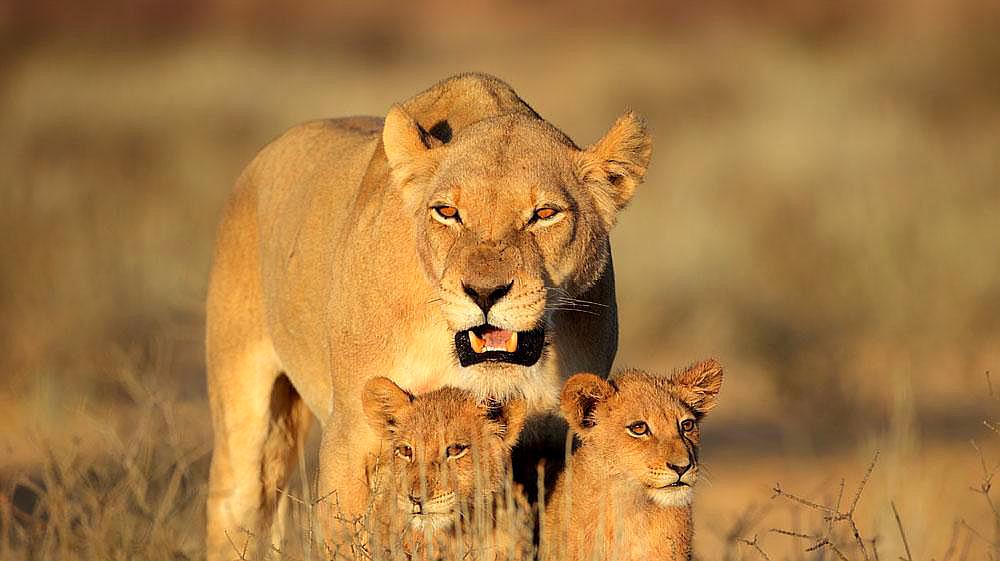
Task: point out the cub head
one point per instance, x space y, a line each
510 216
449 450
644 428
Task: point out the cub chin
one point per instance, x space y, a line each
441 486
626 492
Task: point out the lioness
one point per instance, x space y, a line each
440 483
626 493
462 241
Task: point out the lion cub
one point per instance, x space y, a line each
626 491
439 484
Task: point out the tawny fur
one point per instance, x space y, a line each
330 269
455 473
618 498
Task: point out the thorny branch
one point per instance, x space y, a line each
986 485
832 515
755 545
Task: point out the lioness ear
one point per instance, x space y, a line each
407 147
509 415
383 401
616 164
580 397
699 385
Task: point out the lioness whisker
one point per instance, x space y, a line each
565 309
574 305
579 301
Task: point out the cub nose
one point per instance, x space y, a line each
485 298
679 470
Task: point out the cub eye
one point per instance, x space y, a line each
687 425
405 451
638 428
446 214
456 451
546 213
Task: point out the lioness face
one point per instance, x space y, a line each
644 427
511 222
447 448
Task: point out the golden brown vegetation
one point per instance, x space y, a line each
821 213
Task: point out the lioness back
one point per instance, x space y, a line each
308 183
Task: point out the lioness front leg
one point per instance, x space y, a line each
347 448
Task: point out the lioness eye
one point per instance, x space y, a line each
545 213
404 451
446 213
638 428
687 425
457 451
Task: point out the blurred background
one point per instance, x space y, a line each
822 214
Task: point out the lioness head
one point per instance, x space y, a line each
510 215
449 450
644 428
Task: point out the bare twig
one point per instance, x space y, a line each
290 496
242 552
779 492
829 545
755 544
902 533
857 537
977 534
864 481
831 520
744 524
832 515
956 527
792 534
986 485
849 515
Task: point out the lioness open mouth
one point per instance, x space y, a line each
487 343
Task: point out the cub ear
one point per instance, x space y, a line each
580 398
699 385
408 147
509 415
616 164
383 402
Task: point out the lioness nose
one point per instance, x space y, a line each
415 499
680 470
485 298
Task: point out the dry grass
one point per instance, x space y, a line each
135 491
821 215
142 496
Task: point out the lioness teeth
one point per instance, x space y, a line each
493 339
478 344
512 342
